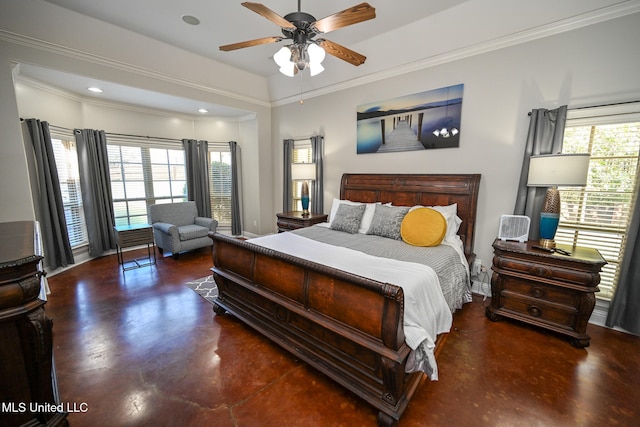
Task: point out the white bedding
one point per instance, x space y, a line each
426 313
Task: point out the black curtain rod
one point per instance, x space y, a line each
119 134
142 136
597 106
304 139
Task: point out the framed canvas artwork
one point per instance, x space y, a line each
420 121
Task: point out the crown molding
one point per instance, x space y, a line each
612 12
36 84
119 65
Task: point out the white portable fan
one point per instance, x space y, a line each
514 227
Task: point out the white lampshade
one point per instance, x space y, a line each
316 53
303 171
315 68
552 170
288 69
283 57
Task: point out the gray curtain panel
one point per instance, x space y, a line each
48 197
236 212
287 191
197 162
317 198
623 311
546 132
95 183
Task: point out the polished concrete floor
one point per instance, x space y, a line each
140 349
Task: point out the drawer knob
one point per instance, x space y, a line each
541 271
538 292
534 311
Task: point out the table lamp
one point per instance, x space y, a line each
551 171
304 172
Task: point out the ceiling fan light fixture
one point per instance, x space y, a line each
300 56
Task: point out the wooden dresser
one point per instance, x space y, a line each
293 220
28 389
549 290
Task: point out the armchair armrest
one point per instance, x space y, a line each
209 223
167 228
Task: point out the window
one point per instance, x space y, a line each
598 215
220 183
302 153
143 175
64 151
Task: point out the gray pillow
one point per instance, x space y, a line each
387 220
348 218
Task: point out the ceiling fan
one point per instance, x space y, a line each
302 28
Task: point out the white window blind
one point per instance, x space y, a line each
598 215
64 151
144 173
301 154
220 183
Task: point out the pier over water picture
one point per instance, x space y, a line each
420 121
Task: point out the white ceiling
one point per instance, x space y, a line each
405 33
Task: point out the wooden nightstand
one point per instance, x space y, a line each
549 290
293 220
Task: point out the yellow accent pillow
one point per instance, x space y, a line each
423 227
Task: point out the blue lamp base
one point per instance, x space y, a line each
304 198
305 204
548 227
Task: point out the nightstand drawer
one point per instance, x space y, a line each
559 315
547 271
541 291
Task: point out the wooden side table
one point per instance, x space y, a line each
128 236
549 290
295 219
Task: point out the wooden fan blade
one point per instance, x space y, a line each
353 15
269 14
341 52
250 43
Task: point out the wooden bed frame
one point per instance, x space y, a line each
346 326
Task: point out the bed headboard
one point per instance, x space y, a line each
419 189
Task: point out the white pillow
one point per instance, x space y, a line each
367 217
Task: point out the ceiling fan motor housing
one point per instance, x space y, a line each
303 31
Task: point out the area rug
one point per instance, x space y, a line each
205 287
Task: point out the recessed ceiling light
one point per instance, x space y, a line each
191 20
203 110
94 89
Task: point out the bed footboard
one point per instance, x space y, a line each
346 326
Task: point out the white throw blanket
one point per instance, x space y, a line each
426 313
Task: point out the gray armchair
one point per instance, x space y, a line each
178 228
